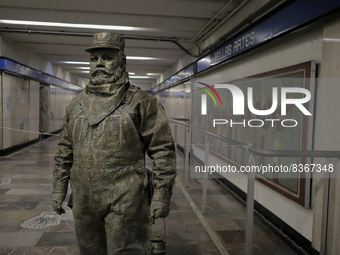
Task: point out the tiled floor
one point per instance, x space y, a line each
29 194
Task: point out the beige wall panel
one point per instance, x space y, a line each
181 135
53 108
59 99
34 110
44 108
177 104
21 107
16 93
176 101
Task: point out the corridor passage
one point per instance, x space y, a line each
25 192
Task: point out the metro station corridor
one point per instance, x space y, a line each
250 90
25 192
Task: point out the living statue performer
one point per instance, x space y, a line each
107 130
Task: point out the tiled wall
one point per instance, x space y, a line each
20 109
16 105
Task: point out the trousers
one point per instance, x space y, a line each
107 232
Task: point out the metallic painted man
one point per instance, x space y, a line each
107 130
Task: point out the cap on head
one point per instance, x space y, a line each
107 40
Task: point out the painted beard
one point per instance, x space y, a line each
102 76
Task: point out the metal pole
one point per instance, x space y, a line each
325 204
205 178
248 249
187 154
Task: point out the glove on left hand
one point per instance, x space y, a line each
57 201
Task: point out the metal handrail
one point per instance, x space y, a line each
251 178
268 153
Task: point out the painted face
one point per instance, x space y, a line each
103 66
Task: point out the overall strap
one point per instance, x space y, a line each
131 90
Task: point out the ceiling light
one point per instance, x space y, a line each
131 73
140 58
140 77
87 63
154 74
72 62
73 25
331 40
82 67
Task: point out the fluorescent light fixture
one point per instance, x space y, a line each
140 77
83 67
331 40
73 25
156 74
131 73
72 62
79 71
87 63
140 58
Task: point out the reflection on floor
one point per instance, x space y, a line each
28 194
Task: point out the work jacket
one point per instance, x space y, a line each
104 157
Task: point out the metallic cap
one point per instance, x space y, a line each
107 40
